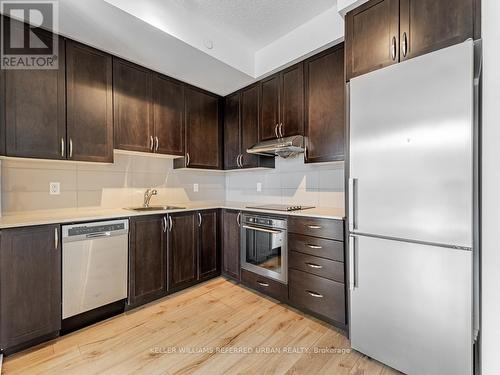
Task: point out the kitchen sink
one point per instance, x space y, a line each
155 208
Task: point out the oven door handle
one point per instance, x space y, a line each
259 229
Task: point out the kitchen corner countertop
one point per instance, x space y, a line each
25 219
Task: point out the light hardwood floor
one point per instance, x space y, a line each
209 320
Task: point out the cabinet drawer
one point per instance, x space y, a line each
317 294
264 285
317 266
326 228
320 247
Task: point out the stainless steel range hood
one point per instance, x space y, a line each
283 147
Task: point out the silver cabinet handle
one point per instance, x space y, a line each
238 161
315 266
404 44
281 130
352 263
70 148
314 226
241 161
187 159
199 219
305 151
238 219
276 130
314 246
62 148
151 143
164 224
393 48
353 183
314 294
56 238
157 143
262 284
170 223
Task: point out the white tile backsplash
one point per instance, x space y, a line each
25 184
291 182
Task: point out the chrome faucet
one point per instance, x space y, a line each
147 196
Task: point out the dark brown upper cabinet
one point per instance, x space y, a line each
203 131
241 130
147 259
182 250
133 107
428 25
30 285
383 32
168 98
282 104
372 37
35 109
232 135
231 244
89 103
325 106
208 249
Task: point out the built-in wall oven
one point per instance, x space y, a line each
264 246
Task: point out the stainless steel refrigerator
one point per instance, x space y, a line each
412 194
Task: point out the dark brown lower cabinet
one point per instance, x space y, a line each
30 286
269 287
182 250
209 255
231 244
147 259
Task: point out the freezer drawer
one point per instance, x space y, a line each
411 306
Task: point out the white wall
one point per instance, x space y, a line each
491 189
291 182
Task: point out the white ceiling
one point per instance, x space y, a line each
249 38
258 22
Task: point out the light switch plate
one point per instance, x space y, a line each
54 188
259 186
195 188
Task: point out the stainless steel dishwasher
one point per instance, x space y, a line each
94 266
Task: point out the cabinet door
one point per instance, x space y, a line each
231 244
168 115
250 125
203 131
147 259
208 259
325 106
232 139
133 110
428 25
372 37
90 106
183 250
30 284
292 101
269 108
35 109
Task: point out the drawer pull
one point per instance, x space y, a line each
314 294
262 284
314 226
312 265
314 246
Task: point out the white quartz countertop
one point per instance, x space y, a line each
25 219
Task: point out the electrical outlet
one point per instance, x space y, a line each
54 188
259 186
195 188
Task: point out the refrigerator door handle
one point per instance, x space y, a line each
352 203
352 263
